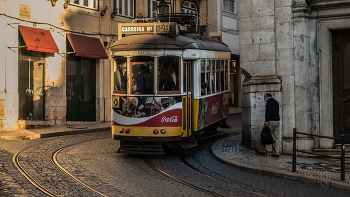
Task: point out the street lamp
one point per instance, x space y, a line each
163 7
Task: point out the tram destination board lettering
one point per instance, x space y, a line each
137 29
147 28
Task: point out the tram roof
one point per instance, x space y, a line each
162 42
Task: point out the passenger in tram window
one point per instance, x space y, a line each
120 79
167 82
141 80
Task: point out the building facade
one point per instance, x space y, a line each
55 61
298 51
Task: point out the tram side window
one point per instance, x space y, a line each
189 76
169 74
142 68
208 69
184 76
222 75
217 73
212 75
120 72
226 75
203 83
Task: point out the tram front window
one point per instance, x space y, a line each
141 75
120 79
141 79
169 73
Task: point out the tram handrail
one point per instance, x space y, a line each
342 157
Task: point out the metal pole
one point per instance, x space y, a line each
342 159
192 96
294 150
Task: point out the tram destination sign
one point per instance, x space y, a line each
146 28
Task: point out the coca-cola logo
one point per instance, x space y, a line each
171 119
214 108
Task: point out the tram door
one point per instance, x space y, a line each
187 65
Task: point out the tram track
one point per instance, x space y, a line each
54 161
154 167
217 176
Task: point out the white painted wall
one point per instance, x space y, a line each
229 23
232 41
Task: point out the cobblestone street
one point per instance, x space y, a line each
92 159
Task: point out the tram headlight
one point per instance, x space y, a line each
121 130
155 131
127 131
163 131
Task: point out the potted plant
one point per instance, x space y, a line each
114 13
53 2
103 12
65 5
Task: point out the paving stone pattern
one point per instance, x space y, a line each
234 151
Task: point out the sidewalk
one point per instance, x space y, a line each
52 131
309 170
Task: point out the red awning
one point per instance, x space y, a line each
87 47
38 39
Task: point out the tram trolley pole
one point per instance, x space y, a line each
342 157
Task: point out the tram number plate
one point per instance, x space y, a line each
164 28
140 52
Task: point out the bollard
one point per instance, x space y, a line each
294 150
342 178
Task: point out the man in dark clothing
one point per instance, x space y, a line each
272 120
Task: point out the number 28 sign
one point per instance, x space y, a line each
164 28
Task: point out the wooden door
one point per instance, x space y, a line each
81 89
341 83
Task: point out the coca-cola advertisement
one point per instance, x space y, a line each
148 111
212 109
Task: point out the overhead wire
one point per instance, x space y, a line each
56 27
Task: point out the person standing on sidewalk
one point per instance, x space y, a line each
272 120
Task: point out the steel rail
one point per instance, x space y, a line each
15 160
55 162
155 168
236 185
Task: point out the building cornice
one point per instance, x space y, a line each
327 4
301 11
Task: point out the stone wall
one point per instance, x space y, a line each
275 49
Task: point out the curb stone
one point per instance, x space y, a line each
285 175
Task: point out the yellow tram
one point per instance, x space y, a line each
168 85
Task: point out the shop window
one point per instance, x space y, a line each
124 7
229 5
120 74
169 75
93 4
152 7
31 85
142 69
